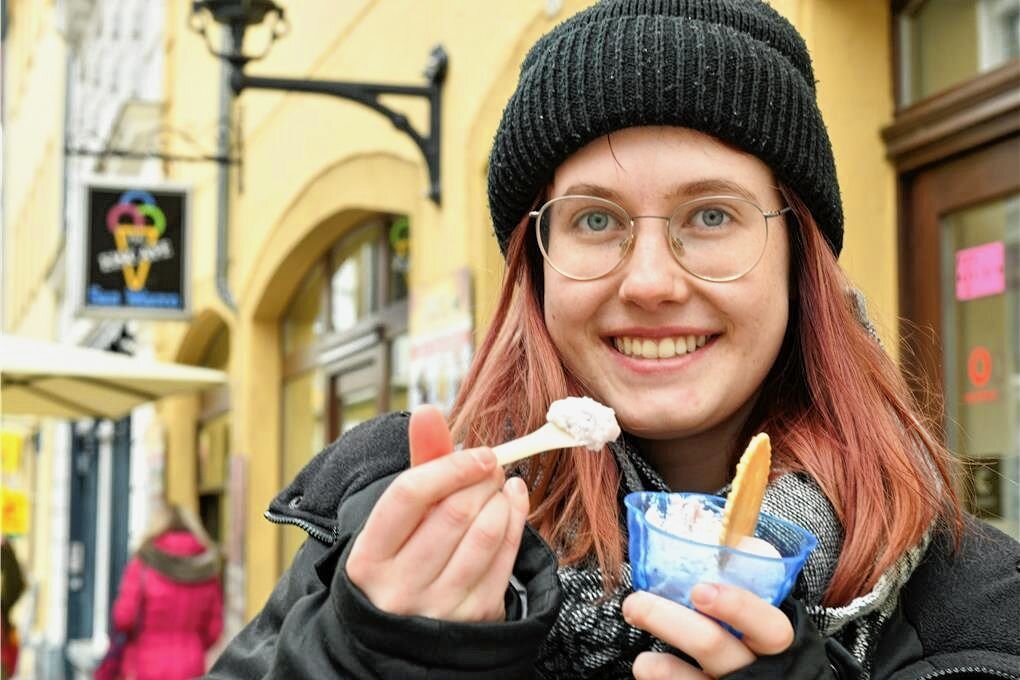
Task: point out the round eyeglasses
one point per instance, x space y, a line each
714 238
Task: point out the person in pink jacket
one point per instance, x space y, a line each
170 601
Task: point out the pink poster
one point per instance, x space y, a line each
980 271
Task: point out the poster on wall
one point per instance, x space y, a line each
135 250
442 342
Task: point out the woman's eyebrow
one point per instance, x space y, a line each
702 187
585 189
708 187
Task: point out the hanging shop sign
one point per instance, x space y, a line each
136 245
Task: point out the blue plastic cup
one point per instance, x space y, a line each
670 565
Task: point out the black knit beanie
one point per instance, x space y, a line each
734 69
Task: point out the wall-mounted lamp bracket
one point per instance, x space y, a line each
237 15
133 154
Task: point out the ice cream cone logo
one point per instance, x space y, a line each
127 222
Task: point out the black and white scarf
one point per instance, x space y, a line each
590 639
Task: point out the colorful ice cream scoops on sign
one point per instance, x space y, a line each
135 250
136 263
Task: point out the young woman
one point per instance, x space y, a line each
664 191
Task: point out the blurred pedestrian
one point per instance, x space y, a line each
13 585
170 602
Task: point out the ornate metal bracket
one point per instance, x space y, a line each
95 146
146 155
235 17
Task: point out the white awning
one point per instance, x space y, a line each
41 378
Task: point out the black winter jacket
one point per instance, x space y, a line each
959 614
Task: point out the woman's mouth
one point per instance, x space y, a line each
660 348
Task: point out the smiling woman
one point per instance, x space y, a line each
663 189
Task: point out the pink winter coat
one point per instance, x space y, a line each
179 621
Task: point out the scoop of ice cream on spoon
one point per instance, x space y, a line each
573 421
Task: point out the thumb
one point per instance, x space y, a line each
428 435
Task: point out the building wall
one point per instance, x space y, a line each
33 82
852 51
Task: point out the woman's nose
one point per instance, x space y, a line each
651 275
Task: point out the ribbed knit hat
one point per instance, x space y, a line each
734 69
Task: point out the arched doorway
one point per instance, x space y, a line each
344 342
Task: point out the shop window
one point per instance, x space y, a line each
946 42
981 331
353 279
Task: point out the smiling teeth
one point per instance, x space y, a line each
663 348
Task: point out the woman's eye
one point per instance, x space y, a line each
596 221
710 217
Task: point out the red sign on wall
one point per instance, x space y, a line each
979 372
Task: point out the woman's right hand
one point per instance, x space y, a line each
442 539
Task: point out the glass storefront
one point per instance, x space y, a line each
981 340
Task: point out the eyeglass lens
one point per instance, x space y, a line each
716 238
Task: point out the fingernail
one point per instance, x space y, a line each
626 610
704 594
517 487
485 457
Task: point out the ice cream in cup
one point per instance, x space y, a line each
674 543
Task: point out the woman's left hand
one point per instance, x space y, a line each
766 630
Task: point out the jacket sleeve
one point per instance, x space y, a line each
960 612
129 597
251 653
317 624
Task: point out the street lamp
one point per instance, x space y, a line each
235 16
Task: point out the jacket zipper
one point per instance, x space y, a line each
947 672
311 529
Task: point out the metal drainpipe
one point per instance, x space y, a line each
224 151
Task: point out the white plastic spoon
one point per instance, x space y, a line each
573 421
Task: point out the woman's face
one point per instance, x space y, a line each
650 297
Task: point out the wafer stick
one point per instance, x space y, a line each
740 515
